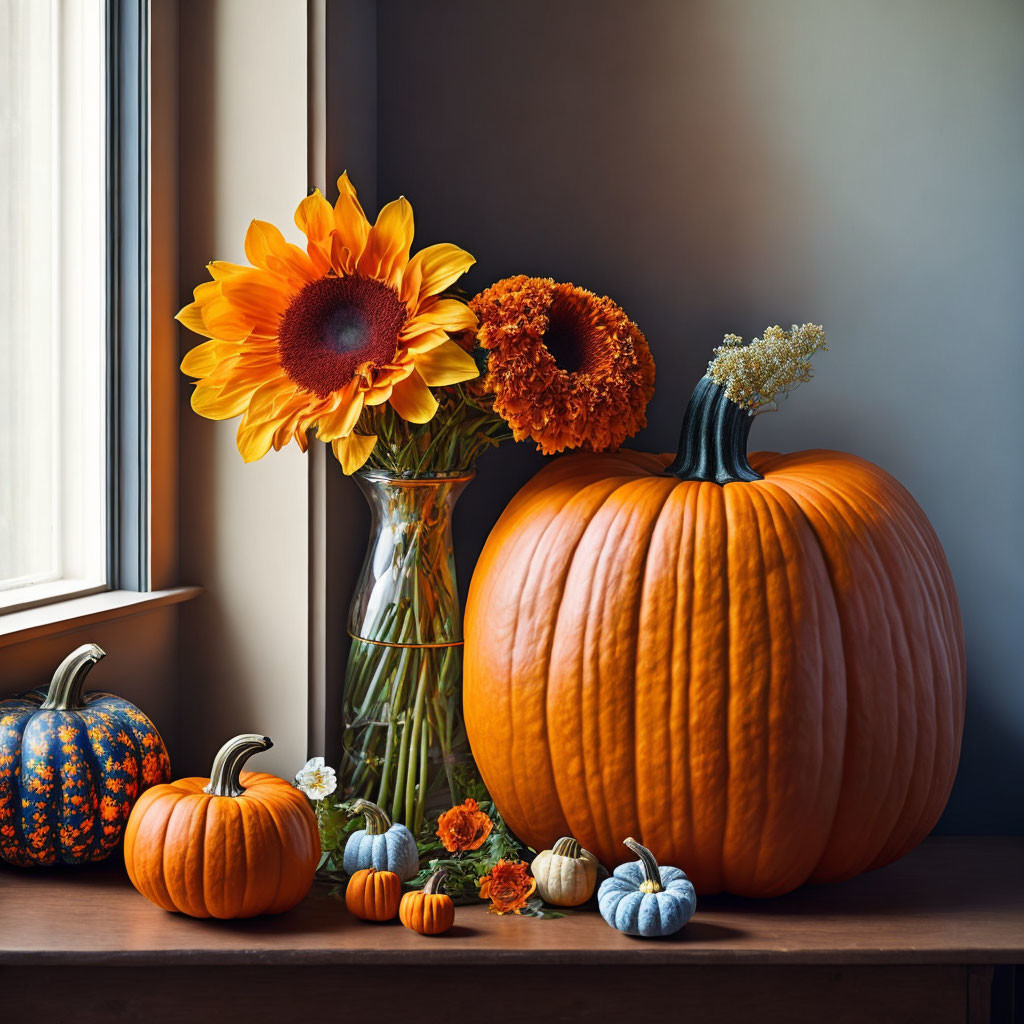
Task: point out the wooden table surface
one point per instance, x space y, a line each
952 901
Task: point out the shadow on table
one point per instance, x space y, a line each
905 885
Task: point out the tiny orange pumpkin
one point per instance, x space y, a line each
428 911
373 895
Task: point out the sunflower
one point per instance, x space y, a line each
310 337
567 368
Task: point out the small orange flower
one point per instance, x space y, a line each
464 827
508 887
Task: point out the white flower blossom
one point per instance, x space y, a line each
316 779
754 376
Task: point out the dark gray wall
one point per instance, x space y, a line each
719 166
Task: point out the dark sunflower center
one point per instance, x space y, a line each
336 324
571 336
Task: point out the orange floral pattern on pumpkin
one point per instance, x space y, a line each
509 887
69 779
464 827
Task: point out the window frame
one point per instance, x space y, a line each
128 314
127 344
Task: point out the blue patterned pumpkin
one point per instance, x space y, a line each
380 845
641 898
71 767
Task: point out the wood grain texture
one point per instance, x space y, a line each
426 995
953 901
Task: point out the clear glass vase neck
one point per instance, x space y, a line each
407 588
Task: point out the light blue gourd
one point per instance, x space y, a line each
380 845
642 899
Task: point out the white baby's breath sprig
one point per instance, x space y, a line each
316 779
754 376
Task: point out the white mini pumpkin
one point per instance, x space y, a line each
566 874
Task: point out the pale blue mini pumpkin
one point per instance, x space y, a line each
642 899
380 845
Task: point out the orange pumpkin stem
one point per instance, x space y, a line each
65 692
227 765
713 441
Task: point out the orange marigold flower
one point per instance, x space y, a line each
567 368
464 827
508 887
309 337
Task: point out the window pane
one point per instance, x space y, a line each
52 295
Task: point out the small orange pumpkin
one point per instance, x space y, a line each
428 911
373 895
233 845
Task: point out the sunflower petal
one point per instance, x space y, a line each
350 222
378 394
270 401
448 314
204 359
426 341
266 248
412 278
192 318
260 299
221 269
206 292
260 241
255 439
413 400
449 363
293 418
353 451
221 401
342 421
315 217
387 246
225 321
441 265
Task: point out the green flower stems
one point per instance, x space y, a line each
402 709
403 729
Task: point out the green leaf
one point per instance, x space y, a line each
536 907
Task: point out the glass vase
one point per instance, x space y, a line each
403 732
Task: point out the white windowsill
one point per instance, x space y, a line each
19 599
64 616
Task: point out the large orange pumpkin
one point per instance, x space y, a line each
234 845
754 666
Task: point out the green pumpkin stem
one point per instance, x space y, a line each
434 884
713 441
65 692
567 847
377 820
652 874
227 765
